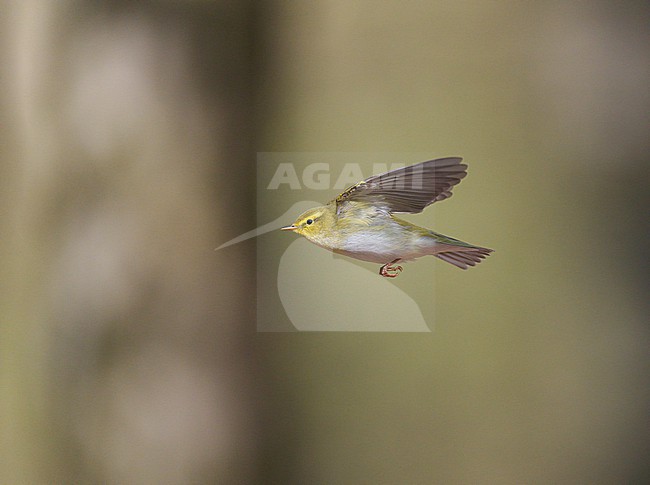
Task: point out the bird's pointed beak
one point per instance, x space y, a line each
288 228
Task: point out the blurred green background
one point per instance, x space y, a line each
129 351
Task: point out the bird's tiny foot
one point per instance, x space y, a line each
390 271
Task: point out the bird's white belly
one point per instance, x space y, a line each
380 248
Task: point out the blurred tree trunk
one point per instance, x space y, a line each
126 129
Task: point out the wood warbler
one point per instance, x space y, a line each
360 223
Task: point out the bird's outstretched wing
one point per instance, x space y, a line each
408 189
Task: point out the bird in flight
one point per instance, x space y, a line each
360 222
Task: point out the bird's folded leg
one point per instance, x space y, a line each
390 271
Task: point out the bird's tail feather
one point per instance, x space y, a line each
463 257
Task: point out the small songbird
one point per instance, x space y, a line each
360 223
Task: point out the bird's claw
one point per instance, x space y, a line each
390 271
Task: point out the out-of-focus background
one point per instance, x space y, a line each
128 347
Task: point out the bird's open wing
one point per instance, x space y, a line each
408 189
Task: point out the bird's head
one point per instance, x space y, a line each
312 224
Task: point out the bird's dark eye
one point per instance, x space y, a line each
309 221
